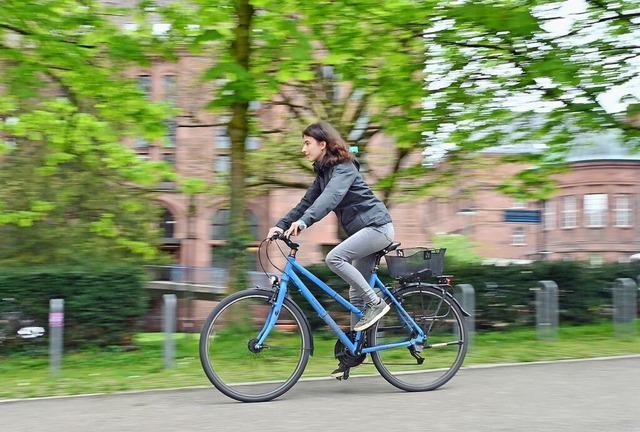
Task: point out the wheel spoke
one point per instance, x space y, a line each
245 373
444 348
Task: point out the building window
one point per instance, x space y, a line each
144 84
220 231
223 164
167 225
171 140
169 158
518 237
569 212
623 210
252 143
595 210
328 74
519 204
222 139
141 143
170 88
596 260
549 215
220 225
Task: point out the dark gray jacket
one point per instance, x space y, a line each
339 188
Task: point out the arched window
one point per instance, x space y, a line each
167 224
220 225
220 231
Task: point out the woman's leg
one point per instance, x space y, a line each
360 250
364 265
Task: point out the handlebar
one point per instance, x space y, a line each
280 236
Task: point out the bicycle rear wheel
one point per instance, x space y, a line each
228 355
444 348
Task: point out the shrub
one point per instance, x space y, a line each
101 306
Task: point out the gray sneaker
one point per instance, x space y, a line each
341 372
372 313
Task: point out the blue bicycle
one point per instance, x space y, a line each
255 344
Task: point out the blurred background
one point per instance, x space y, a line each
146 147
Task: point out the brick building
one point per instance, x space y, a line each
594 215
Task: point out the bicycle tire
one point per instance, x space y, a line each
444 348
241 373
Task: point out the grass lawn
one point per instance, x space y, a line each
109 370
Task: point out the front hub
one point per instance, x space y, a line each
253 346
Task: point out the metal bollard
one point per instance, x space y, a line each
56 334
547 310
169 307
625 303
467 298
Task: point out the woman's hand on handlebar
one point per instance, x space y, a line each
295 229
274 233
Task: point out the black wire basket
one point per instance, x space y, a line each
415 262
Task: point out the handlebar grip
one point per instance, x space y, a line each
280 236
276 236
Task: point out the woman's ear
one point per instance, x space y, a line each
323 144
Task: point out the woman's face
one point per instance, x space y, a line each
313 149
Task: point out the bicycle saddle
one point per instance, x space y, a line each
392 246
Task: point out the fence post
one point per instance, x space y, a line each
625 304
56 334
169 315
547 310
467 298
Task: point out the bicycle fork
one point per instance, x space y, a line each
276 300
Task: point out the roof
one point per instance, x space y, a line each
603 146
590 147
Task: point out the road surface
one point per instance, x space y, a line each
594 395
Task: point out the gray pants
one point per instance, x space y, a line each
353 261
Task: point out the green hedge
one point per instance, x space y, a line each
101 306
505 296
584 291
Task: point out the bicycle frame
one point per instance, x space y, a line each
355 347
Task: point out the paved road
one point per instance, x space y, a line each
596 395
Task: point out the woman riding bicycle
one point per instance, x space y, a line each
339 187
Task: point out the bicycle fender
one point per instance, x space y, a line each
448 294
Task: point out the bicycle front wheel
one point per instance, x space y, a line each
429 365
229 356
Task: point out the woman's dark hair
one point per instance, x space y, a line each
337 149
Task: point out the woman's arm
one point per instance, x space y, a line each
342 177
295 213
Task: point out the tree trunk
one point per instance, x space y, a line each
238 131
